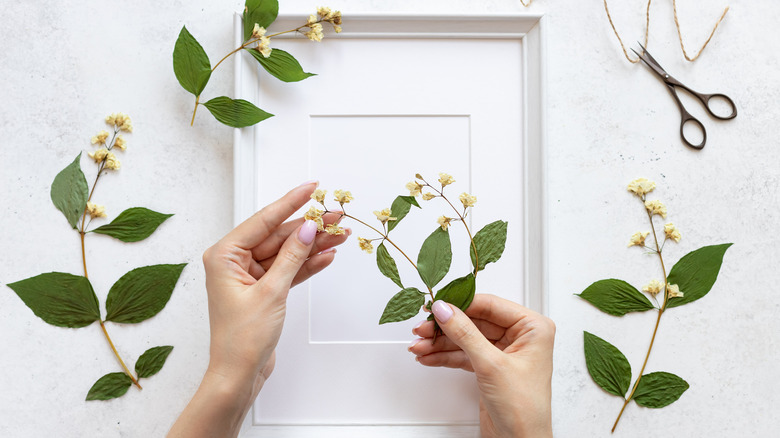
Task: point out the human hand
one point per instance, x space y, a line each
249 273
509 348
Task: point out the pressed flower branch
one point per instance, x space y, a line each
68 300
193 69
435 255
690 278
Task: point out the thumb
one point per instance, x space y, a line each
461 330
290 258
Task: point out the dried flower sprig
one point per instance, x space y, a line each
690 278
193 68
435 255
67 300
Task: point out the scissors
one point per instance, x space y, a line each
671 83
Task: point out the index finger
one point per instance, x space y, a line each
260 225
498 310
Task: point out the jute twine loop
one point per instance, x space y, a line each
526 4
676 23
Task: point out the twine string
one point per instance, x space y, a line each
647 31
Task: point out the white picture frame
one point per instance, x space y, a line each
526 28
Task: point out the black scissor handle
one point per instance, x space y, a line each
705 99
688 118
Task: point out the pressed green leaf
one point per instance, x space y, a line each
141 293
237 113
110 386
607 365
133 224
152 361
659 389
61 299
403 305
69 191
400 208
435 257
459 292
281 65
696 272
262 12
190 63
615 297
490 242
387 265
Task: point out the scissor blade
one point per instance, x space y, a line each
648 59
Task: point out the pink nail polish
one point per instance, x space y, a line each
314 181
414 342
329 250
418 325
442 311
308 231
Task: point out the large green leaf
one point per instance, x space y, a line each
400 208
61 299
459 292
141 293
69 191
403 305
387 265
435 257
615 297
281 65
659 389
152 361
190 63
696 272
262 12
237 113
110 386
608 367
490 242
133 224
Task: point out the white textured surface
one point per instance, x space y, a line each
67 64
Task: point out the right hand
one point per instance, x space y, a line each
509 348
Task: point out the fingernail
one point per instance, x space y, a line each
414 342
314 181
442 311
308 230
329 250
418 325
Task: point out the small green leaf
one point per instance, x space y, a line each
281 65
607 365
237 113
459 292
403 305
141 293
435 257
400 208
490 242
659 389
69 191
152 361
133 224
615 297
190 63
387 265
696 272
262 12
60 299
110 386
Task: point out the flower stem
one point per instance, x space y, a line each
82 234
657 321
463 220
195 110
119 358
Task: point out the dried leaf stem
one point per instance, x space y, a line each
657 250
242 46
82 234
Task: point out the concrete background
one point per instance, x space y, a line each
67 64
